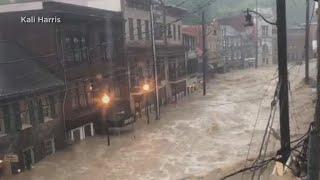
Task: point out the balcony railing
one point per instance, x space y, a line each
88 54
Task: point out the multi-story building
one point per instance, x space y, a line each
31 125
213 39
190 41
64 68
264 36
296 43
212 45
237 42
169 49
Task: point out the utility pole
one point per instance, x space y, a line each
307 42
204 54
283 80
164 23
165 37
314 139
317 121
257 37
154 55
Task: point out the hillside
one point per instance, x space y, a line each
295 8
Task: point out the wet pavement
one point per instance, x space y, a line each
193 138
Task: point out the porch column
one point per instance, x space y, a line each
92 129
82 133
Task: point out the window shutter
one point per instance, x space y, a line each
6 118
52 106
31 112
16 116
40 111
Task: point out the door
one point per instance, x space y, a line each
76 135
28 157
49 147
87 130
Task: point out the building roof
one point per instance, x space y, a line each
174 8
237 22
20 74
110 5
84 8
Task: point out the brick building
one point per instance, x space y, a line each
81 56
170 56
237 41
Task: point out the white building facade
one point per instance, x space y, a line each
265 36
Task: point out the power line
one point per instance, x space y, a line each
200 8
265 140
256 122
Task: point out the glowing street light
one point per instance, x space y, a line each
146 87
105 99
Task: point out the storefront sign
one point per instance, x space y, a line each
11 158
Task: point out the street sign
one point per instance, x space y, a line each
11 158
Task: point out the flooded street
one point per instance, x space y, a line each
194 137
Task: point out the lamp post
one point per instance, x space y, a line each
105 99
146 89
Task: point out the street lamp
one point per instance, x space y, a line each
146 89
249 21
248 17
105 99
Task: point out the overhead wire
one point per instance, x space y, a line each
256 120
265 141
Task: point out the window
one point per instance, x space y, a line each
75 98
49 147
139 28
179 32
24 115
48 107
130 3
116 91
146 29
169 31
138 4
2 126
45 108
265 49
158 31
82 95
79 95
103 47
174 32
90 93
76 49
131 30
265 30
